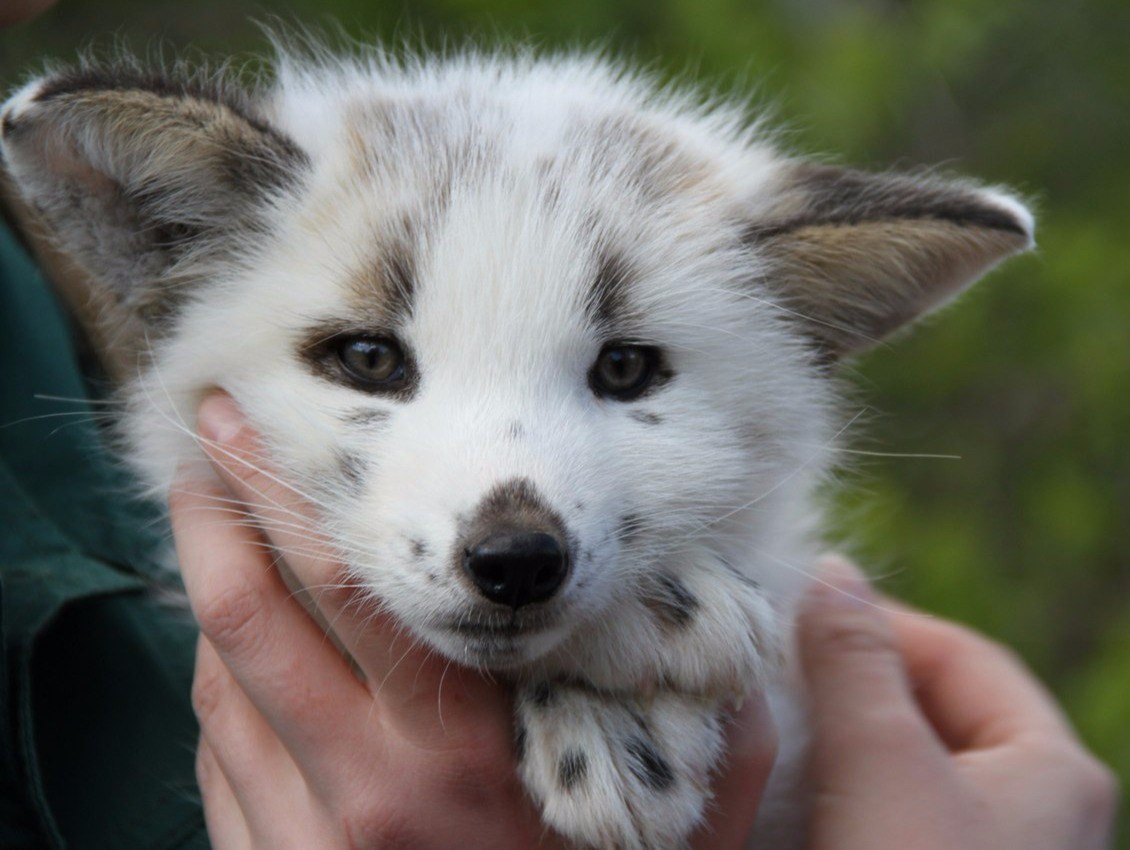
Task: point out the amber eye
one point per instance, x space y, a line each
623 372
375 362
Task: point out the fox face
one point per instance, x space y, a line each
547 347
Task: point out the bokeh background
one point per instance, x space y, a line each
1025 531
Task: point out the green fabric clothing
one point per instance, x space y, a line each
97 735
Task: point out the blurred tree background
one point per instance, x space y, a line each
1025 534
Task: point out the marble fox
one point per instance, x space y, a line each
551 346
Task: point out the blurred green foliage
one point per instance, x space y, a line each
1027 380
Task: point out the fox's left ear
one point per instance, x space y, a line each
134 174
854 256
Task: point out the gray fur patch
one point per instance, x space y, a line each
352 467
646 417
365 418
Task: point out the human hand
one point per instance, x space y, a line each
297 751
928 736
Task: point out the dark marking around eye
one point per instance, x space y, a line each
673 602
321 352
648 765
646 417
571 770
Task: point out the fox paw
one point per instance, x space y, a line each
614 770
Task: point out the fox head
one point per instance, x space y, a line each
524 330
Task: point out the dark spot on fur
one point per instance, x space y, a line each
364 418
672 602
543 695
571 770
648 764
646 417
515 431
578 506
352 468
419 548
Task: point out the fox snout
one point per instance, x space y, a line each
515 550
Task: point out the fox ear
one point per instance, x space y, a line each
854 256
133 172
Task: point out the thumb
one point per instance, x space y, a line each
867 726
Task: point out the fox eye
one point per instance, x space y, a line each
372 362
624 371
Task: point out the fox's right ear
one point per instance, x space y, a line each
138 174
855 256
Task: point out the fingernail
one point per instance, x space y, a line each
219 419
840 584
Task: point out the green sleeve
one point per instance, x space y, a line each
97 735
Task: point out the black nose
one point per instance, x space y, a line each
517 568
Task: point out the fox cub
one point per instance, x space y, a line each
552 347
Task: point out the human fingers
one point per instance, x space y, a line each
296 679
1011 739
873 751
227 828
856 683
975 692
751 750
255 764
423 695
